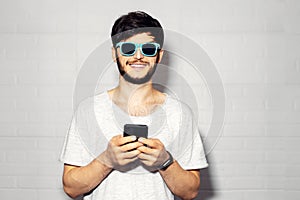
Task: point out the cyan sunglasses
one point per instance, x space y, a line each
130 48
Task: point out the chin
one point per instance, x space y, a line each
136 80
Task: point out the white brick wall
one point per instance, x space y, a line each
255 45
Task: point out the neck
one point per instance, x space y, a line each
133 94
136 100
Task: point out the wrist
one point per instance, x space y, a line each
102 165
104 160
167 163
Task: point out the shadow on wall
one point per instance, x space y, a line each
206 191
79 198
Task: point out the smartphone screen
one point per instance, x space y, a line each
139 130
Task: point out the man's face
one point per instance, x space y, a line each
137 69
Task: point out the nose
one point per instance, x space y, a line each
138 54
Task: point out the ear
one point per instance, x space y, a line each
113 51
160 55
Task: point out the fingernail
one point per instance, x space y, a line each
141 139
133 137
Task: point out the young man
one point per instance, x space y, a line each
99 162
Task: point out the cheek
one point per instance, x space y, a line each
119 56
153 60
122 60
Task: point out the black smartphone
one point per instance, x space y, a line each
139 130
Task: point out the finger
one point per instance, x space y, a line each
131 146
145 157
145 150
131 154
123 140
116 137
152 143
130 160
113 141
147 163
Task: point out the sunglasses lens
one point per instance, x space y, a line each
127 48
149 49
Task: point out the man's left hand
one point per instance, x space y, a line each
154 154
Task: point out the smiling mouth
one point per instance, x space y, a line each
138 65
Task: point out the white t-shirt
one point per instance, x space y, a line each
97 119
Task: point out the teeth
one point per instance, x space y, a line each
138 65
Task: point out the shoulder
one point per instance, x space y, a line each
176 105
90 103
177 113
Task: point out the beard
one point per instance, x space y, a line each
133 80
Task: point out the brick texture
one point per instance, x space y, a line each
254 44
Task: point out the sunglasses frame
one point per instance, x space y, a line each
137 45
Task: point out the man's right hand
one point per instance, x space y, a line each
120 151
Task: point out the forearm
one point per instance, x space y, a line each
80 180
184 184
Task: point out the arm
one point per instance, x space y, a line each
80 180
183 183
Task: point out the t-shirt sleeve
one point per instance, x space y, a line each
74 151
194 156
188 146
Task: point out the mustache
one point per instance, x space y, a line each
136 61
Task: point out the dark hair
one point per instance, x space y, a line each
134 23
